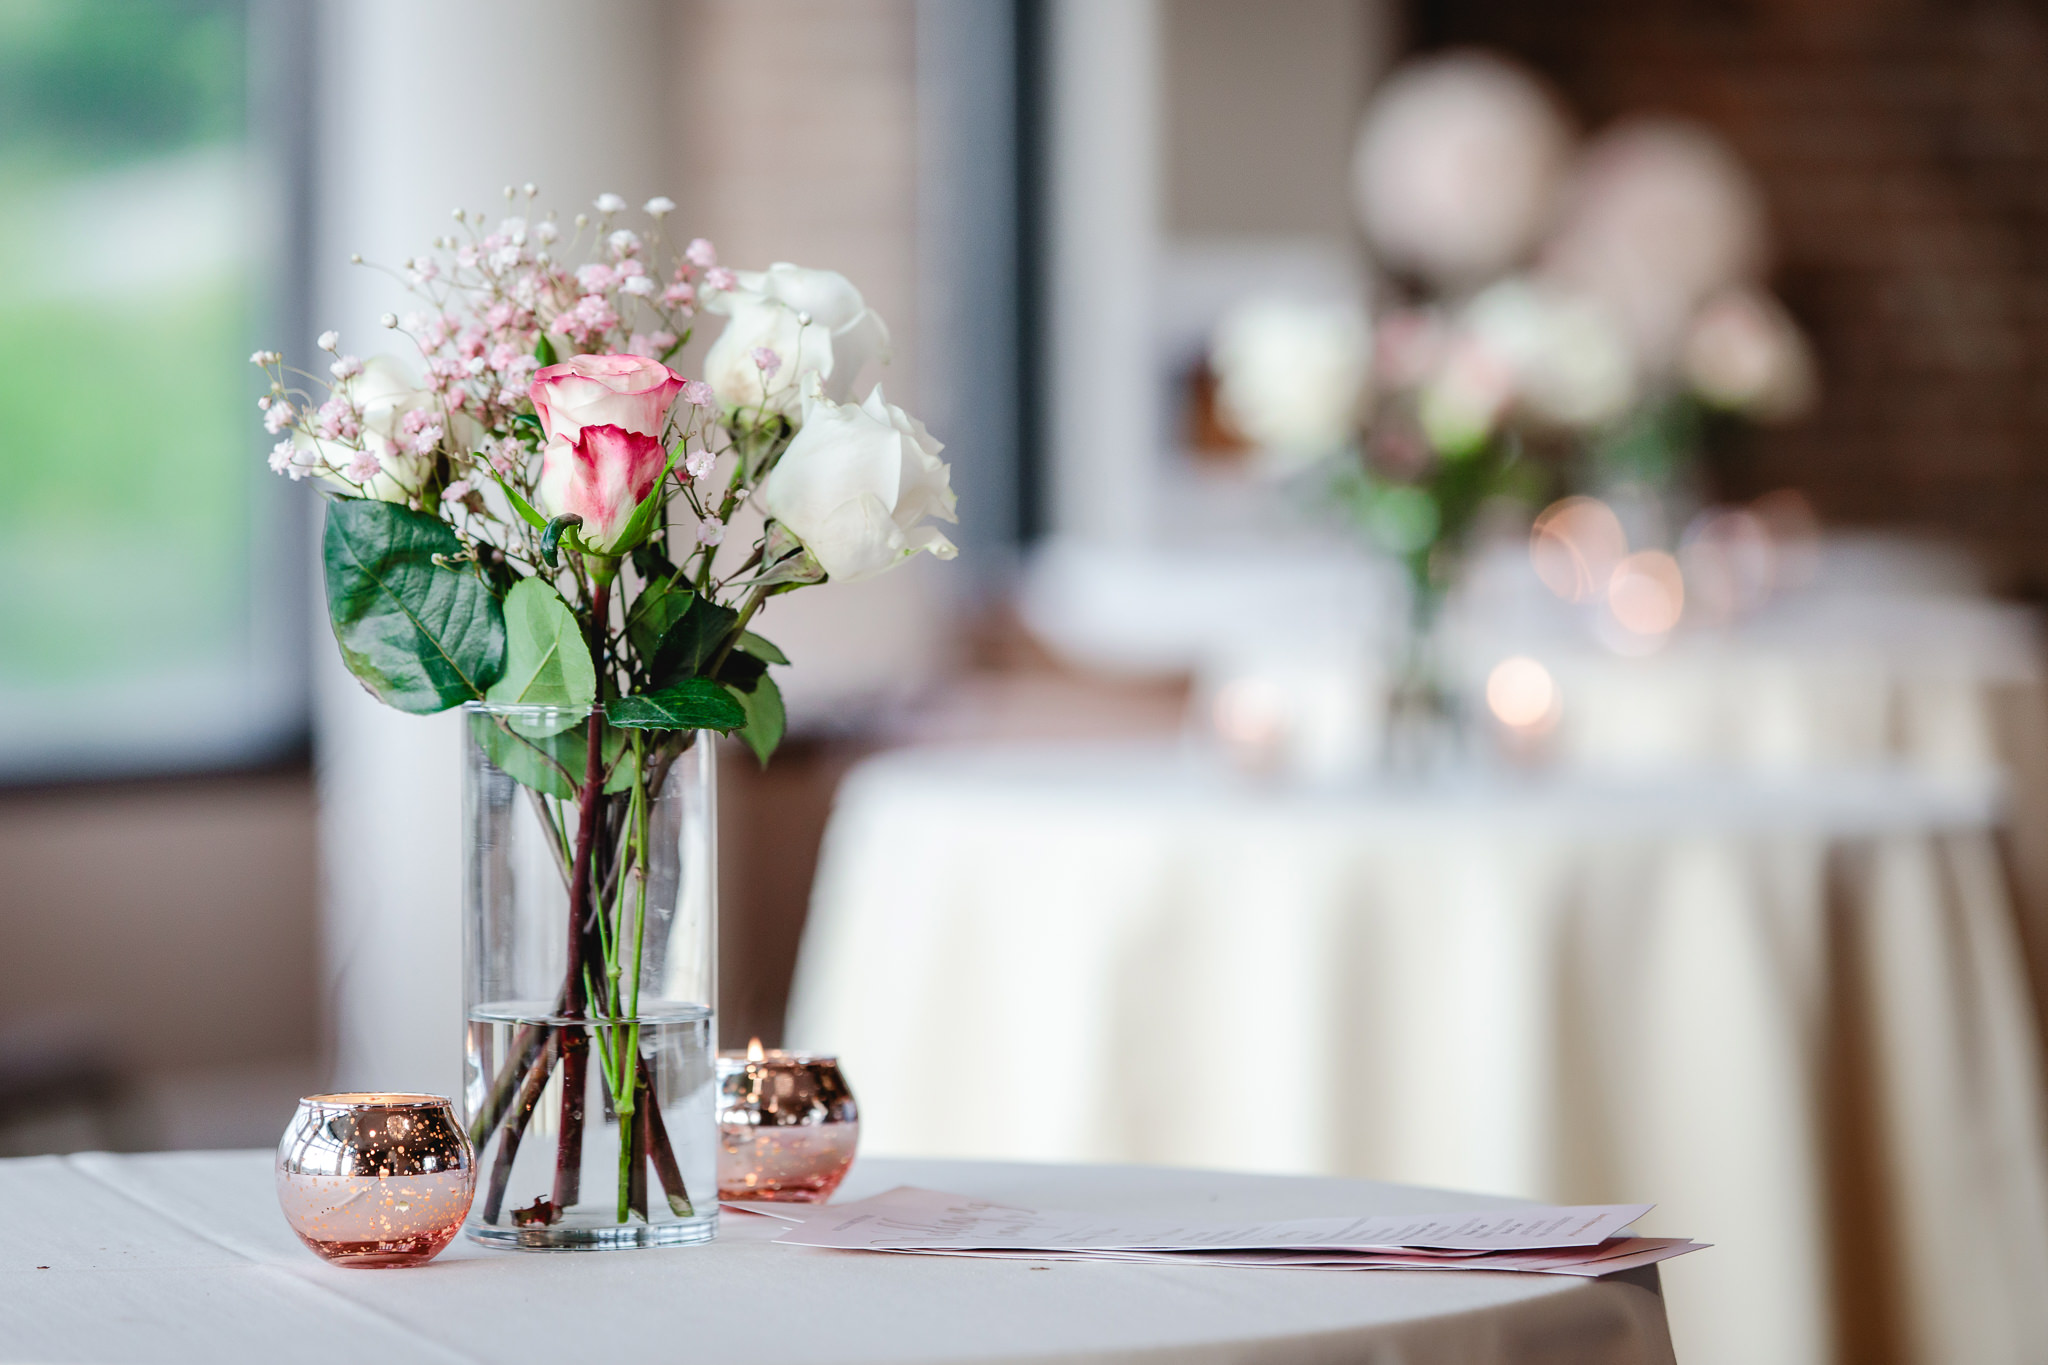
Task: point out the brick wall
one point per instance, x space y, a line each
1903 145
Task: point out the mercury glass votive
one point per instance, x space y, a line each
372 1180
787 1125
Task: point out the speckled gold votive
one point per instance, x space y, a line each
787 1126
372 1181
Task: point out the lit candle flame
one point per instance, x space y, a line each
754 1052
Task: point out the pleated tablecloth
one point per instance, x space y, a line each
1791 1012
185 1258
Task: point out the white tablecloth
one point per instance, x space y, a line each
1791 1013
185 1258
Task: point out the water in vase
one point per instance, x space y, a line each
551 1175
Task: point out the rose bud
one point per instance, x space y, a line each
601 475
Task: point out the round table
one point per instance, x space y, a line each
1790 1012
185 1257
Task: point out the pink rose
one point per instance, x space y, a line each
630 392
601 474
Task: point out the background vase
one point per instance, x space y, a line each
1426 732
589 1069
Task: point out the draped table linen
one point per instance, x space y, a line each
185 1258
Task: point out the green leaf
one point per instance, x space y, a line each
692 704
420 636
761 649
520 505
763 705
741 670
551 764
624 773
544 351
659 606
688 644
650 563
617 756
1403 519
547 660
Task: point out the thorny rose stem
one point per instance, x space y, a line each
576 1047
515 1127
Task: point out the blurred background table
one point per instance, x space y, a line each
1890 652
185 1257
1792 1012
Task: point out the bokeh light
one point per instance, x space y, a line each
1250 716
1730 564
1575 545
1647 593
1521 694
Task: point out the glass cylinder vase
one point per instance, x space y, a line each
590 975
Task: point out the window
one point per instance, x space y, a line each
151 576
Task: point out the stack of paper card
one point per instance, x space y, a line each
1586 1240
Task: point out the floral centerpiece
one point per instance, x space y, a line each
1545 314
535 517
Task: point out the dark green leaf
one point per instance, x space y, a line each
420 636
544 351
547 660
692 704
660 605
763 730
650 563
761 649
741 670
688 644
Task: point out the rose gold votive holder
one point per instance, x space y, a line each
373 1181
787 1126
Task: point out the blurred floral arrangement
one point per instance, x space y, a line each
1549 312
533 520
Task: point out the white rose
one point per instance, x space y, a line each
856 482
384 393
814 321
1570 364
1292 376
1661 215
1744 352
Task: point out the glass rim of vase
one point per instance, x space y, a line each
527 708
